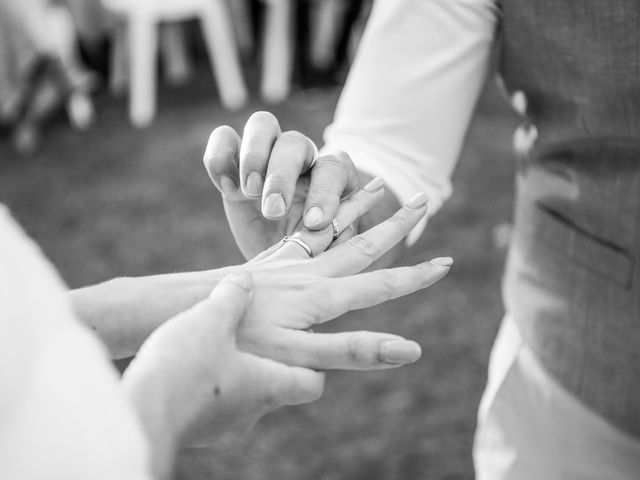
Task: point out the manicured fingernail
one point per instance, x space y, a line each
227 185
242 280
417 201
254 184
313 217
274 205
400 352
442 261
374 185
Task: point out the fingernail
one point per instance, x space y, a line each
242 280
227 185
254 184
374 185
442 261
274 205
400 352
417 201
313 217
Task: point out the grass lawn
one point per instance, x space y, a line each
116 201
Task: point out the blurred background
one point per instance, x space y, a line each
105 109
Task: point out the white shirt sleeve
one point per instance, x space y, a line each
405 108
62 412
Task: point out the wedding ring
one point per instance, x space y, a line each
336 228
300 242
315 153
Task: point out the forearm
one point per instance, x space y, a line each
424 63
124 311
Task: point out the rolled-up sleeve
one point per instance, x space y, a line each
406 106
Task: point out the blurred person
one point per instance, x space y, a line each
562 398
204 341
41 69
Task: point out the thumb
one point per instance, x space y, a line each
227 303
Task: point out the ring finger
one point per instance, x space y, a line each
350 210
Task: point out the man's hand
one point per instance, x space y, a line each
190 384
272 182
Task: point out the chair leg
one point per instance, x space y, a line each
324 37
143 44
174 52
223 53
277 60
241 17
119 61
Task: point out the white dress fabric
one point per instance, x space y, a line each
62 413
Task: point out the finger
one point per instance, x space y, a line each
221 160
344 236
348 350
268 252
362 250
333 177
368 289
292 154
259 136
292 385
351 209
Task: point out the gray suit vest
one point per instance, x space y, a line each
573 273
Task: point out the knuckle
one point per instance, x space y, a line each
332 162
254 159
323 194
293 137
219 162
321 311
358 350
344 157
363 246
388 283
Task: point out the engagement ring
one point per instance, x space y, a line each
336 228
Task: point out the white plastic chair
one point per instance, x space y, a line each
142 19
277 50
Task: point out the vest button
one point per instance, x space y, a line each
519 102
525 138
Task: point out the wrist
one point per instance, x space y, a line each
124 311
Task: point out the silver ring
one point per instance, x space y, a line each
336 228
300 242
314 159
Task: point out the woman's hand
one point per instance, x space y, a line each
190 383
294 292
272 182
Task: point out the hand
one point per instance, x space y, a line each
272 181
190 384
294 293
